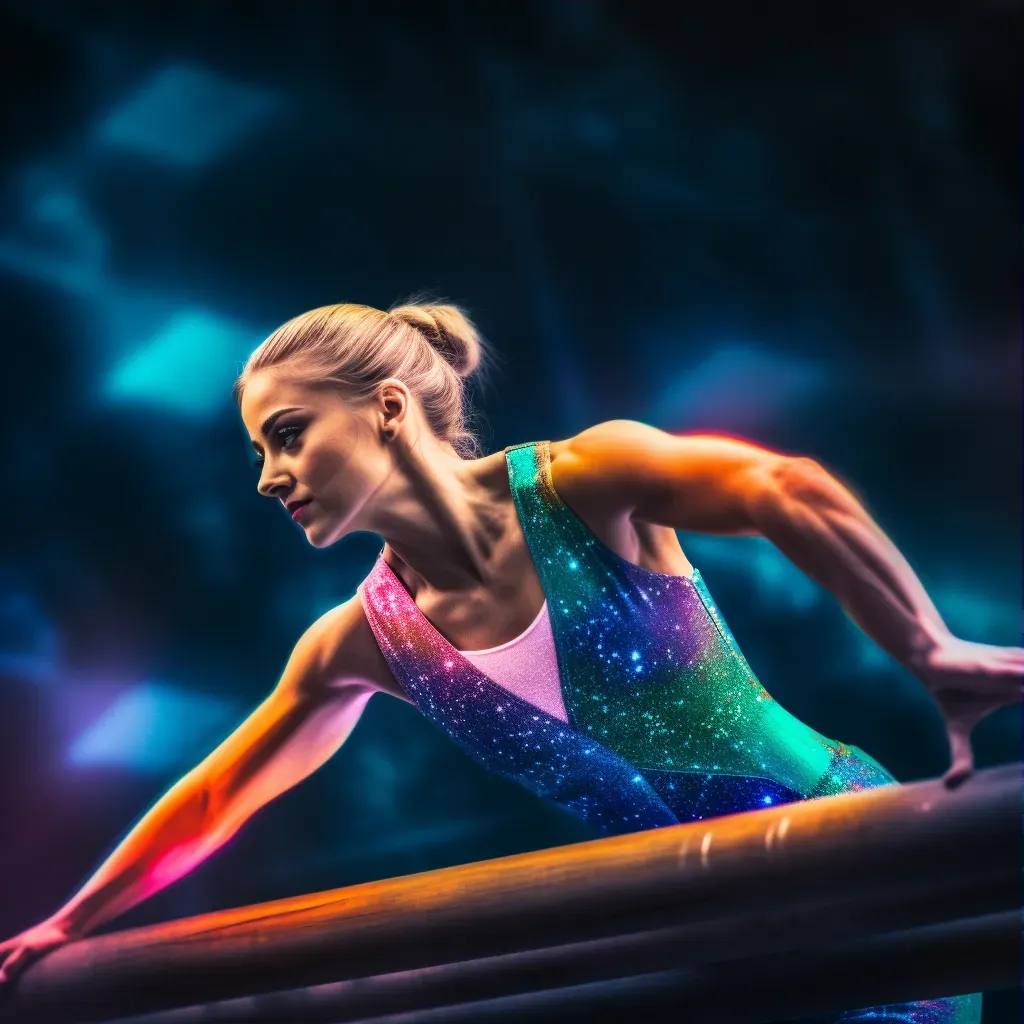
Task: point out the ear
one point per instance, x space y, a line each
393 401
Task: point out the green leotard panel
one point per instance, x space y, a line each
649 666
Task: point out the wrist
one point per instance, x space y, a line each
71 921
928 638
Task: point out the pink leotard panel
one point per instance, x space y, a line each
526 666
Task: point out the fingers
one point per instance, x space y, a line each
957 775
1013 660
14 964
961 757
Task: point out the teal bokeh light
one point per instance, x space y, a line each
188 366
187 116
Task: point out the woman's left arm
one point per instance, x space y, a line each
721 485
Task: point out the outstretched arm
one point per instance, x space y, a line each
303 721
720 485
823 528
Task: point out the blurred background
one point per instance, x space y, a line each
798 231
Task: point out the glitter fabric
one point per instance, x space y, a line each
667 722
527 666
501 730
964 1009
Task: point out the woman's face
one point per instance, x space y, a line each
313 447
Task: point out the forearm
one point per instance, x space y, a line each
174 836
284 740
815 520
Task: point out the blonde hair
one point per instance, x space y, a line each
431 346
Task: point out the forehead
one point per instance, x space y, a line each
265 392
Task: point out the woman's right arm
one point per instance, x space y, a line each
303 721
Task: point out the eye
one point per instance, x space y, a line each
286 434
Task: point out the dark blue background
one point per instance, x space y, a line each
793 230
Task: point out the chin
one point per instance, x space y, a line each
319 537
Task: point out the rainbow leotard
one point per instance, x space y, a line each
665 721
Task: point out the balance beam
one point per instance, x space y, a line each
882 867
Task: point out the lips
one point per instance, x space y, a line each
293 505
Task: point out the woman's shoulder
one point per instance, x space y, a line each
583 467
345 652
700 482
582 474
607 438
594 473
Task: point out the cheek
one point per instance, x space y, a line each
332 470
339 460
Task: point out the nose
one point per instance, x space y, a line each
272 484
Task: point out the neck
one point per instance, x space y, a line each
444 519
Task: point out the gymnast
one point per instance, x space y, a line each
536 605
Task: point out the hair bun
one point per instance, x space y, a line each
448 330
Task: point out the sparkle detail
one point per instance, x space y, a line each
667 721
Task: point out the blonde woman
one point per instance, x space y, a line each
536 605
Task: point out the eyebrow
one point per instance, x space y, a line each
272 419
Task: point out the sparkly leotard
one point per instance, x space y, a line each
667 721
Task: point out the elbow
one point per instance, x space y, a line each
798 477
206 801
785 484
212 807
218 820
